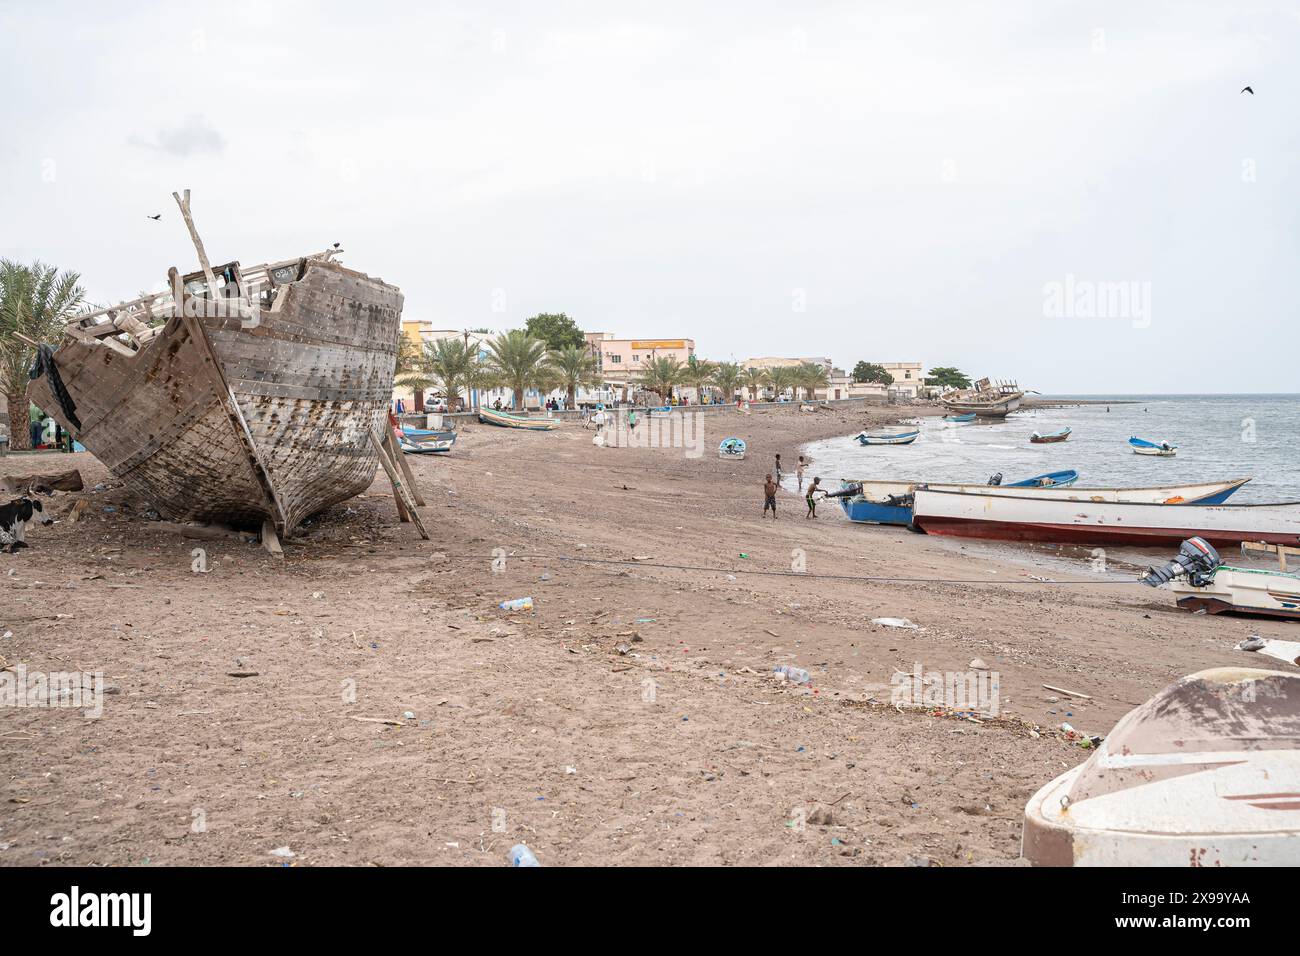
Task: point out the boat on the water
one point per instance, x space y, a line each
732 448
1038 438
960 418
890 502
246 395
1162 449
491 416
986 399
1206 771
895 438
1048 518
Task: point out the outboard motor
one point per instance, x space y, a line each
847 491
995 479
1196 559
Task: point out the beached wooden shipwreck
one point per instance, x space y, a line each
245 395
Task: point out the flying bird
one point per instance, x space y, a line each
1247 89
157 217
336 245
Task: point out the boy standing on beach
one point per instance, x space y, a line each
778 469
769 497
812 490
798 472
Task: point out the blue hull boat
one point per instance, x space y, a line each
899 438
960 418
896 504
1053 479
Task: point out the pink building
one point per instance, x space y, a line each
620 360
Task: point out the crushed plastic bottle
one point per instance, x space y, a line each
520 855
796 675
518 604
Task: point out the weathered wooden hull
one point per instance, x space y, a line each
993 408
309 382
492 417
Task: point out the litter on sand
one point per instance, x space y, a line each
1288 651
896 622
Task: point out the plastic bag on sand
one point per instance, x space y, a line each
895 622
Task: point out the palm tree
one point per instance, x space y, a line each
779 379
661 375
442 364
35 301
574 367
810 376
727 377
519 360
698 373
753 379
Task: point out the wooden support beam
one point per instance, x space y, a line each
400 493
1281 550
271 540
198 243
399 456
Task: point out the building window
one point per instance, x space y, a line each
613 359
636 358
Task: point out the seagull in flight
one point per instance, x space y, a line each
1247 89
155 218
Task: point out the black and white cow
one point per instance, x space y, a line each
13 522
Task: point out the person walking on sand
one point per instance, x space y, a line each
798 472
778 469
769 497
631 420
812 490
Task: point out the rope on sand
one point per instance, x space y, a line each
808 574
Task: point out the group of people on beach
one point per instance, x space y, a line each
770 486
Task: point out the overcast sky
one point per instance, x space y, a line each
938 182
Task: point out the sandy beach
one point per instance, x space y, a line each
629 718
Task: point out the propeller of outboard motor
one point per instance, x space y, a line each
1196 559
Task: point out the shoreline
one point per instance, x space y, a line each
631 717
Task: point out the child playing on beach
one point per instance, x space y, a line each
778 469
769 497
798 472
812 490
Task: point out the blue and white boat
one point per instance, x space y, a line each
733 448
429 434
890 502
960 418
1160 448
897 438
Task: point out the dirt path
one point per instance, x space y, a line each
534 726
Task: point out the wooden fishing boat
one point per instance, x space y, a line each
985 400
890 502
896 438
1162 449
1046 518
491 416
1206 771
732 448
429 434
1038 438
970 417
245 395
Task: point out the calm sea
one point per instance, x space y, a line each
1218 436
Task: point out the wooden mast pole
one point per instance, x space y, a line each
198 243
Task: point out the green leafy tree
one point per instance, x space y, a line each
945 376
574 367
810 376
556 329
662 374
519 360
36 301
871 372
443 364
753 379
726 377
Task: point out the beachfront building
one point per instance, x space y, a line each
424 332
620 361
909 378
770 362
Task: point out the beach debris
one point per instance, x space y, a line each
42 484
978 665
1067 693
520 855
796 675
1288 651
284 852
518 604
78 509
623 649
242 674
900 622
408 714
379 720
821 817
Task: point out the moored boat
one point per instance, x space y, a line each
985 400
491 416
1162 449
732 448
970 417
890 502
1049 518
895 438
1038 438
246 395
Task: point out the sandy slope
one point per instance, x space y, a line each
533 726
